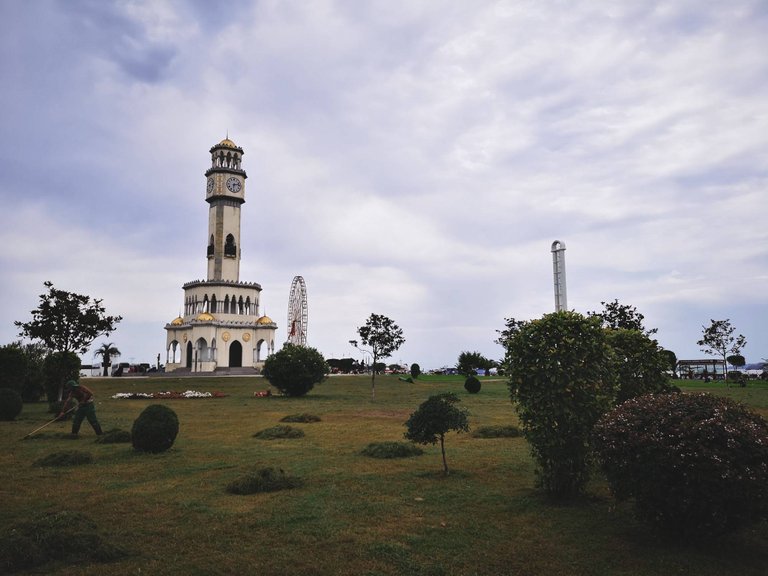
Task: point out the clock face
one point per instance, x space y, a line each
210 185
233 184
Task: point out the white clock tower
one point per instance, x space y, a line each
221 328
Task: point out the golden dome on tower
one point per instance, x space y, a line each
205 317
178 321
228 143
265 320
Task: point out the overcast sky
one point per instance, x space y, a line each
408 158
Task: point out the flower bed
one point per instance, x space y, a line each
167 395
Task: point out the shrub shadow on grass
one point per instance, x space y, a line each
67 458
60 536
278 432
387 450
264 480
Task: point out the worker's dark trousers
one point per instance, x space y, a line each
87 410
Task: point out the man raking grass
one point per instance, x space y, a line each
86 407
49 423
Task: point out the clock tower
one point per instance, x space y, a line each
225 193
221 329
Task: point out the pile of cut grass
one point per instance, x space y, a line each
59 536
66 458
264 480
386 450
114 436
496 432
304 417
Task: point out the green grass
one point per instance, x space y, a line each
171 513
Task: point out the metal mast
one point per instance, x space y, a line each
558 268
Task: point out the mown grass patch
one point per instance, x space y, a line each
354 515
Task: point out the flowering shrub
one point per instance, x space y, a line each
169 395
696 464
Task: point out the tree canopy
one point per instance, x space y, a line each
717 339
616 315
382 337
107 351
67 322
468 362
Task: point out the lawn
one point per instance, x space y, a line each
170 512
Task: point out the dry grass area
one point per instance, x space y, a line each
170 513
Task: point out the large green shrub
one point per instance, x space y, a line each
10 404
562 379
295 370
696 464
472 384
155 429
641 365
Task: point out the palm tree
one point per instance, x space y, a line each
107 351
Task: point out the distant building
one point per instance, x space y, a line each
701 369
221 328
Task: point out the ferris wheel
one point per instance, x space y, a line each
297 312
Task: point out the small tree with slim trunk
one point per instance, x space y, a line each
717 339
383 337
434 418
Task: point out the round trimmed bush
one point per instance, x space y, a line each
472 385
155 429
10 404
295 370
696 464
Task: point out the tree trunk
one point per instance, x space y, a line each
373 380
442 449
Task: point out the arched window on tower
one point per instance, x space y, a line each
214 304
240 306
230 248
226 305
248 306
210 246
205 304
